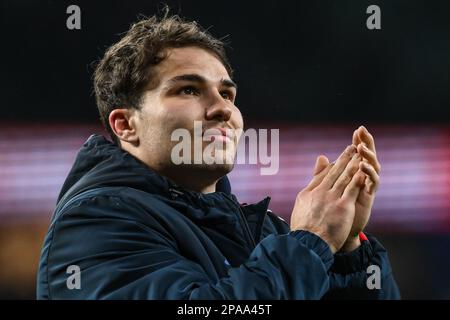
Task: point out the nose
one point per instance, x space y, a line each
219 109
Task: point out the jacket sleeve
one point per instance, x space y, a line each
349 272
124 258
354 275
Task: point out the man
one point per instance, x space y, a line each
131 224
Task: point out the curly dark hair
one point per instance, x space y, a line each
127 68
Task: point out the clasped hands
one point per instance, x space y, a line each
337 203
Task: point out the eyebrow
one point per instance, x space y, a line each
200 79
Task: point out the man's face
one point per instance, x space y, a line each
193 86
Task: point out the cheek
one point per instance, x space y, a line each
186 116
154 127
237 119
180 118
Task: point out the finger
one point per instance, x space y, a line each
347 175
321 163
352 190
370 156
338 167
365 136
355 138
374 178
317 179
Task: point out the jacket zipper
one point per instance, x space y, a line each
247 228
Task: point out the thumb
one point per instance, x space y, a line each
321 163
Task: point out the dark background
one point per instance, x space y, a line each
300 62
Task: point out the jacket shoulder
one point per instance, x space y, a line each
101 200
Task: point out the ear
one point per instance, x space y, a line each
123 124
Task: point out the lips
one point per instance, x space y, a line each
219 138
220 134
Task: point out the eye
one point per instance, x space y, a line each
227 95
189 90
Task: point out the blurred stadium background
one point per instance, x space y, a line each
310 69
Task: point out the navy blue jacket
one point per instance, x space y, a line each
134 234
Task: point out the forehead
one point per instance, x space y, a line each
191 60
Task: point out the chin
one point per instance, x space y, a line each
217 168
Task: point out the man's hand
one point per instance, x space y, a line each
371 167
326 206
